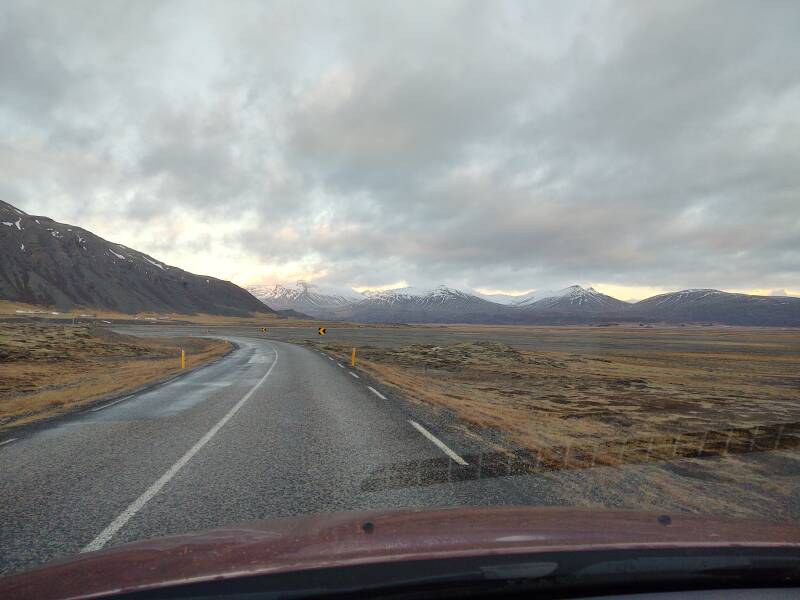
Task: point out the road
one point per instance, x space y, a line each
271 430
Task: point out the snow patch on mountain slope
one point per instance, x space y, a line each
154 263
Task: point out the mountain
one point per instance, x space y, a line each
572 305
705 305
575 300
304 298
439 305
46 262
505 299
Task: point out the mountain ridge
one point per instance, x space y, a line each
571 305
50 263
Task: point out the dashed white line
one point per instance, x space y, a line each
330 358
110 403
340 364
439 443
376 392
4 442
104 536
354 375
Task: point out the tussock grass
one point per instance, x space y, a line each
644 399
562 398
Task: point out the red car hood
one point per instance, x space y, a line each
347 539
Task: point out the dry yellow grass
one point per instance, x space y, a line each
48 369
26 311
637 398
560 398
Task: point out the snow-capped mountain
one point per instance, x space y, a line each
576 299
305 298
438 296
536 295
438 305
46 262
504 299
574 304
395 295
715 306
681 298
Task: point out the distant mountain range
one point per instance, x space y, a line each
46 262
50 263
572 305
304 299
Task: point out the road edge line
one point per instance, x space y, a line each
134 507
442 446
118 400
147 387
376 392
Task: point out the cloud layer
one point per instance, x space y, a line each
492 145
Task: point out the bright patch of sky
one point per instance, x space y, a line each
498 146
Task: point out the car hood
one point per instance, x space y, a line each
348 539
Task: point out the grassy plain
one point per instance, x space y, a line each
21 311
596 393
657 400
46 369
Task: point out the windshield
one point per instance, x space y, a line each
279 259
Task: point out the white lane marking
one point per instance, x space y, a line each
340 364
330 358
376 392
110 403
3 443
104 536
353 374
439 443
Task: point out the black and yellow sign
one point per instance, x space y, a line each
321 331
263 330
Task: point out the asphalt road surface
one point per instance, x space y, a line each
271 430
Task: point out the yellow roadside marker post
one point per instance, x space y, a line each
183 359
353 358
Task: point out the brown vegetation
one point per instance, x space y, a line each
23 312
655 400
49 368
559 398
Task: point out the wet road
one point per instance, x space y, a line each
274 429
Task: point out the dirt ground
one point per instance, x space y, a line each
49 368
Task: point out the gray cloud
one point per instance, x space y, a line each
490 145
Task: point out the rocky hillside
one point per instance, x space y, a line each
46 262
715 306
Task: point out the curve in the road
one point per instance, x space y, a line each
249 437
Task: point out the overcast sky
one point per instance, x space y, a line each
636 146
